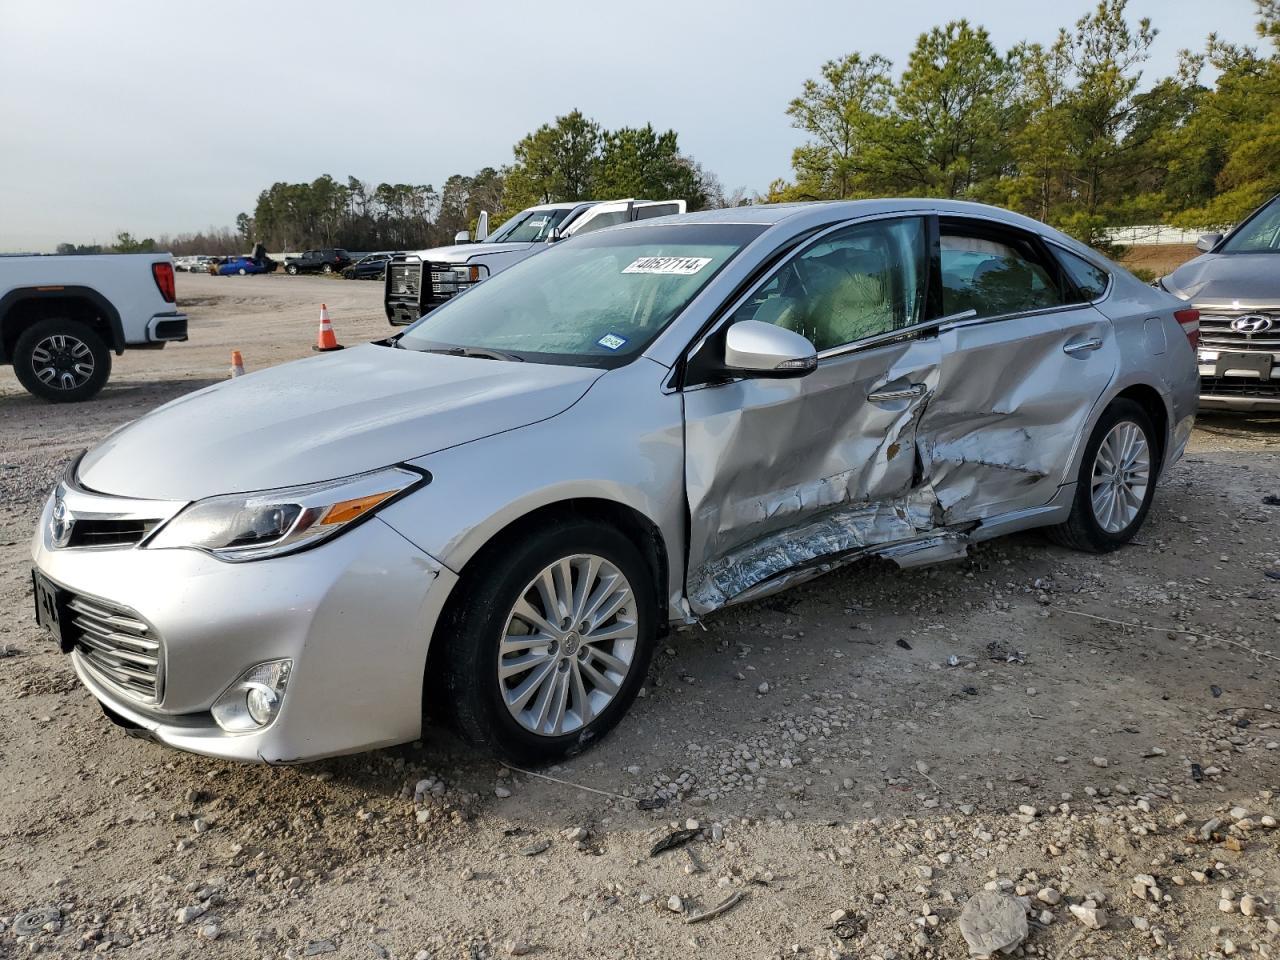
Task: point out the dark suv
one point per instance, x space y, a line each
318 261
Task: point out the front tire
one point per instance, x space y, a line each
1116 483
547 652
291 270
242 271
61 360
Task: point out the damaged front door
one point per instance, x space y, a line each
782 474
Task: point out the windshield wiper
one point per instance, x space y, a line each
479 353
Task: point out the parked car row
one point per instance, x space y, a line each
510 501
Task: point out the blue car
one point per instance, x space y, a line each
242 266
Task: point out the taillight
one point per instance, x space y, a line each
1189 321
163 273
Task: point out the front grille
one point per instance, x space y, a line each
109 533
403 279
1216 333
117 644
1239 387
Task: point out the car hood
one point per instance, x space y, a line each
1219 279
466 252
325 417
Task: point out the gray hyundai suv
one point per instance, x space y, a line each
1235 285
496 513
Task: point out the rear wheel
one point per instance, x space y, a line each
327 268
548 652
1116 483
61 360
291 270
242 271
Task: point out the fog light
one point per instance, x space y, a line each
253 701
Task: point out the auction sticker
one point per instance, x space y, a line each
678 266
611 341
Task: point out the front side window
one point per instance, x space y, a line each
1259 235
992 277
596 300
863 281
528 226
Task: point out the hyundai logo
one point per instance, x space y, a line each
1253 323
61 521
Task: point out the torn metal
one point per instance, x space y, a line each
836 536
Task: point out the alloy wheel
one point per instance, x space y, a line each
568 645
1121 473
62 361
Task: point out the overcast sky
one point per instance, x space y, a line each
171 117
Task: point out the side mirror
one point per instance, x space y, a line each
482 226
553 235
1208 241
462 236
759 349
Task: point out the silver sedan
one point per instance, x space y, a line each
498 511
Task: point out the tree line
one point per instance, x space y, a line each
1061 132
1066 132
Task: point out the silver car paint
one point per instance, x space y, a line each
324 417
502 440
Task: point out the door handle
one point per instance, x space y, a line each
898 393
1082 346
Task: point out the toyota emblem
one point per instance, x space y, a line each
1253 323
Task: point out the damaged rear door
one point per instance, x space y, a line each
1019 377
788 474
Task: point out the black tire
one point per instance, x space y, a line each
466 685
38 336
242 271
291 270
1082 530
327 268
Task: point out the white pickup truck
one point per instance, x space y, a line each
419 282
61 318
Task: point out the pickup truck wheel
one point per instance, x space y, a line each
291 270
61 360
546 652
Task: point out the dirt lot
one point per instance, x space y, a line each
1064 757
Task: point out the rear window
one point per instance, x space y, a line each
1091 281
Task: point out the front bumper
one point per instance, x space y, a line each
355 615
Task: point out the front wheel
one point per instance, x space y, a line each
547 653
61 360
291 270
1116 483
242 271
327 268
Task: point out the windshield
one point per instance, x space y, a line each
528 226
1259 235
595 300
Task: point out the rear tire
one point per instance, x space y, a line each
242 271
61 360
327 268
586 684
291 270
1116 483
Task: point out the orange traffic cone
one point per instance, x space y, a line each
237 364
326 340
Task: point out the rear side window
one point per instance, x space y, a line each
993 276
1091 281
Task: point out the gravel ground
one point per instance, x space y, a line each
1095 742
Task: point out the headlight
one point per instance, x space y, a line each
251 526
254 699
